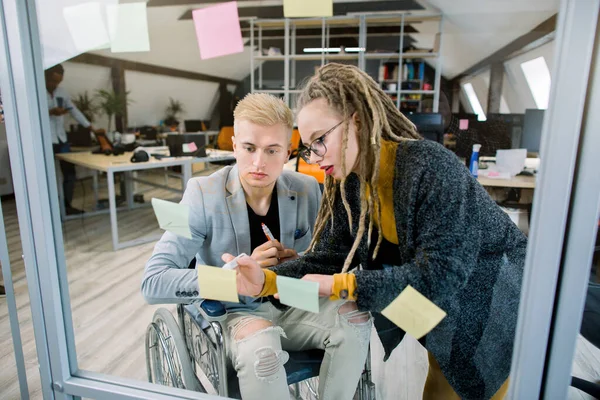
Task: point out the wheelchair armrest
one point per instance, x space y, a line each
212 310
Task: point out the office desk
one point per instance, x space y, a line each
519 182
113 164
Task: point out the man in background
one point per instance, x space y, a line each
59 104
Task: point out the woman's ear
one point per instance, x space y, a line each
356 121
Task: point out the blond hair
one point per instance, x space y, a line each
264 110
350 91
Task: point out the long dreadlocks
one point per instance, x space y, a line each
350 91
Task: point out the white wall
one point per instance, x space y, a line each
150 94
517 92
83 77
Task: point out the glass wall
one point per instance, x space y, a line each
87 83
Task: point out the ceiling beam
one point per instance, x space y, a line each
271 11
110 62
505 52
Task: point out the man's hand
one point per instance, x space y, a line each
267 254
287 255
58 111
250 276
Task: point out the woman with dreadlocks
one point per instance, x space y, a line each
405 211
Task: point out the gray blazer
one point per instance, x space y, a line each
219 224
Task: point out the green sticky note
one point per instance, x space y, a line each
173 217
298 293
217 283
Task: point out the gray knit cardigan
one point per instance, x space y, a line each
457 248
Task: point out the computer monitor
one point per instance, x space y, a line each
429 125
176 142
194 125
532 130
515 123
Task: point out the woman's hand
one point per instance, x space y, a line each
325 283
250 276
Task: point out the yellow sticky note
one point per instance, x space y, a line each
217 284
307 8
414 313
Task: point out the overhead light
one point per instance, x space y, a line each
333 49
322 50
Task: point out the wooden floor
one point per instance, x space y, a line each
110 316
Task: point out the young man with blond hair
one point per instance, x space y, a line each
227 209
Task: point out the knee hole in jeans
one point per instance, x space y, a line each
268 363
349 310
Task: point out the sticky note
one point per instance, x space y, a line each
172 217
463 124
189 147
414 313
218 30
87 26
128 27
307 8
298 293
54 31
217 284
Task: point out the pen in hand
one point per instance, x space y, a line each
267 232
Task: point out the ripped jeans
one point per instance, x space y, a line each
257 342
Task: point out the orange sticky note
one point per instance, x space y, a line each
414 313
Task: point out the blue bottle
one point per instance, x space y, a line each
474 164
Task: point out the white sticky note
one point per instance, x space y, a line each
128 27
87 26
307 8
217 284
172 217
298 293
414 313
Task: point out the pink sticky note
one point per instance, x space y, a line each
192 146
463 124
218 30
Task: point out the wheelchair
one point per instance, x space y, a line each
177 350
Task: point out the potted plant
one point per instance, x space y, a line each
86 105
112 103
172 111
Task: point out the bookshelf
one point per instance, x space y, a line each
408 86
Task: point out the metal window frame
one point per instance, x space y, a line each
575 35
36 193
579 243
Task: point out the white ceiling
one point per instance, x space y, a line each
472 30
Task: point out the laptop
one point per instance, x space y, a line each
187 144
79 136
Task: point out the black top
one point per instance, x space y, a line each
257 236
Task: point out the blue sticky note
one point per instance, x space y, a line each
298 293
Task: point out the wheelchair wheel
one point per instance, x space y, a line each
167 359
